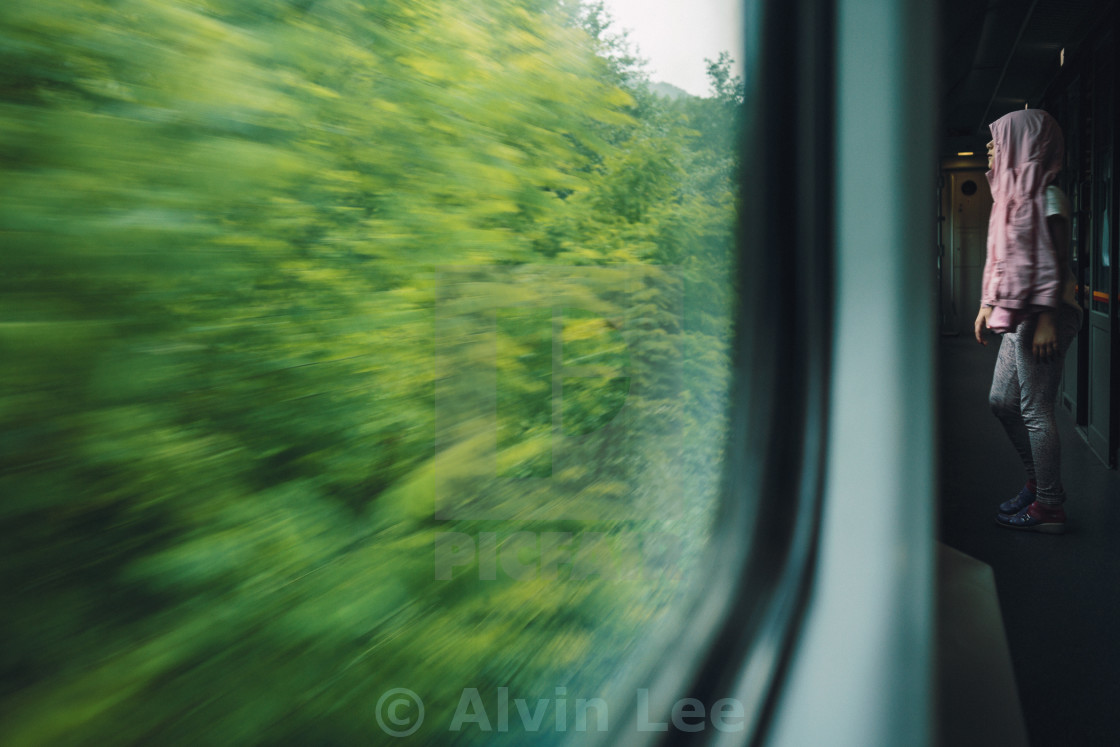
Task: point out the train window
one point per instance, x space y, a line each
390 369
968 188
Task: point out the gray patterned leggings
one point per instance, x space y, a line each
1023 395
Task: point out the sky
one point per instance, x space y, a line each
676 35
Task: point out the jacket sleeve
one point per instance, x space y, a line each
1047 290
987 286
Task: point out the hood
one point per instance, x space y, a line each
1029 150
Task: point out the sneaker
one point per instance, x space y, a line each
1036 518
1018 503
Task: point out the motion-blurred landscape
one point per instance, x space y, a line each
256 258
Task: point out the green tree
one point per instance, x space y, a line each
223 227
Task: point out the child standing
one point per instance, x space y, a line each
1029 295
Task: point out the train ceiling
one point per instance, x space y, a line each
999 55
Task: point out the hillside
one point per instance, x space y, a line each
669 91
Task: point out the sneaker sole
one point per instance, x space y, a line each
1044 528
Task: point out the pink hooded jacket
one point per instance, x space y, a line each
1022 269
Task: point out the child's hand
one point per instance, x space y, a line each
1045 344
981 323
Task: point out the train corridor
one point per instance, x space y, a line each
1056 593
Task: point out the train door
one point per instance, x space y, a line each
1101 280
967 204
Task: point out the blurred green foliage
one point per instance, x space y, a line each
221 225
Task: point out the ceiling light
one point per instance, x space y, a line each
967 153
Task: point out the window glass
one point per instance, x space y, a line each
365 364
